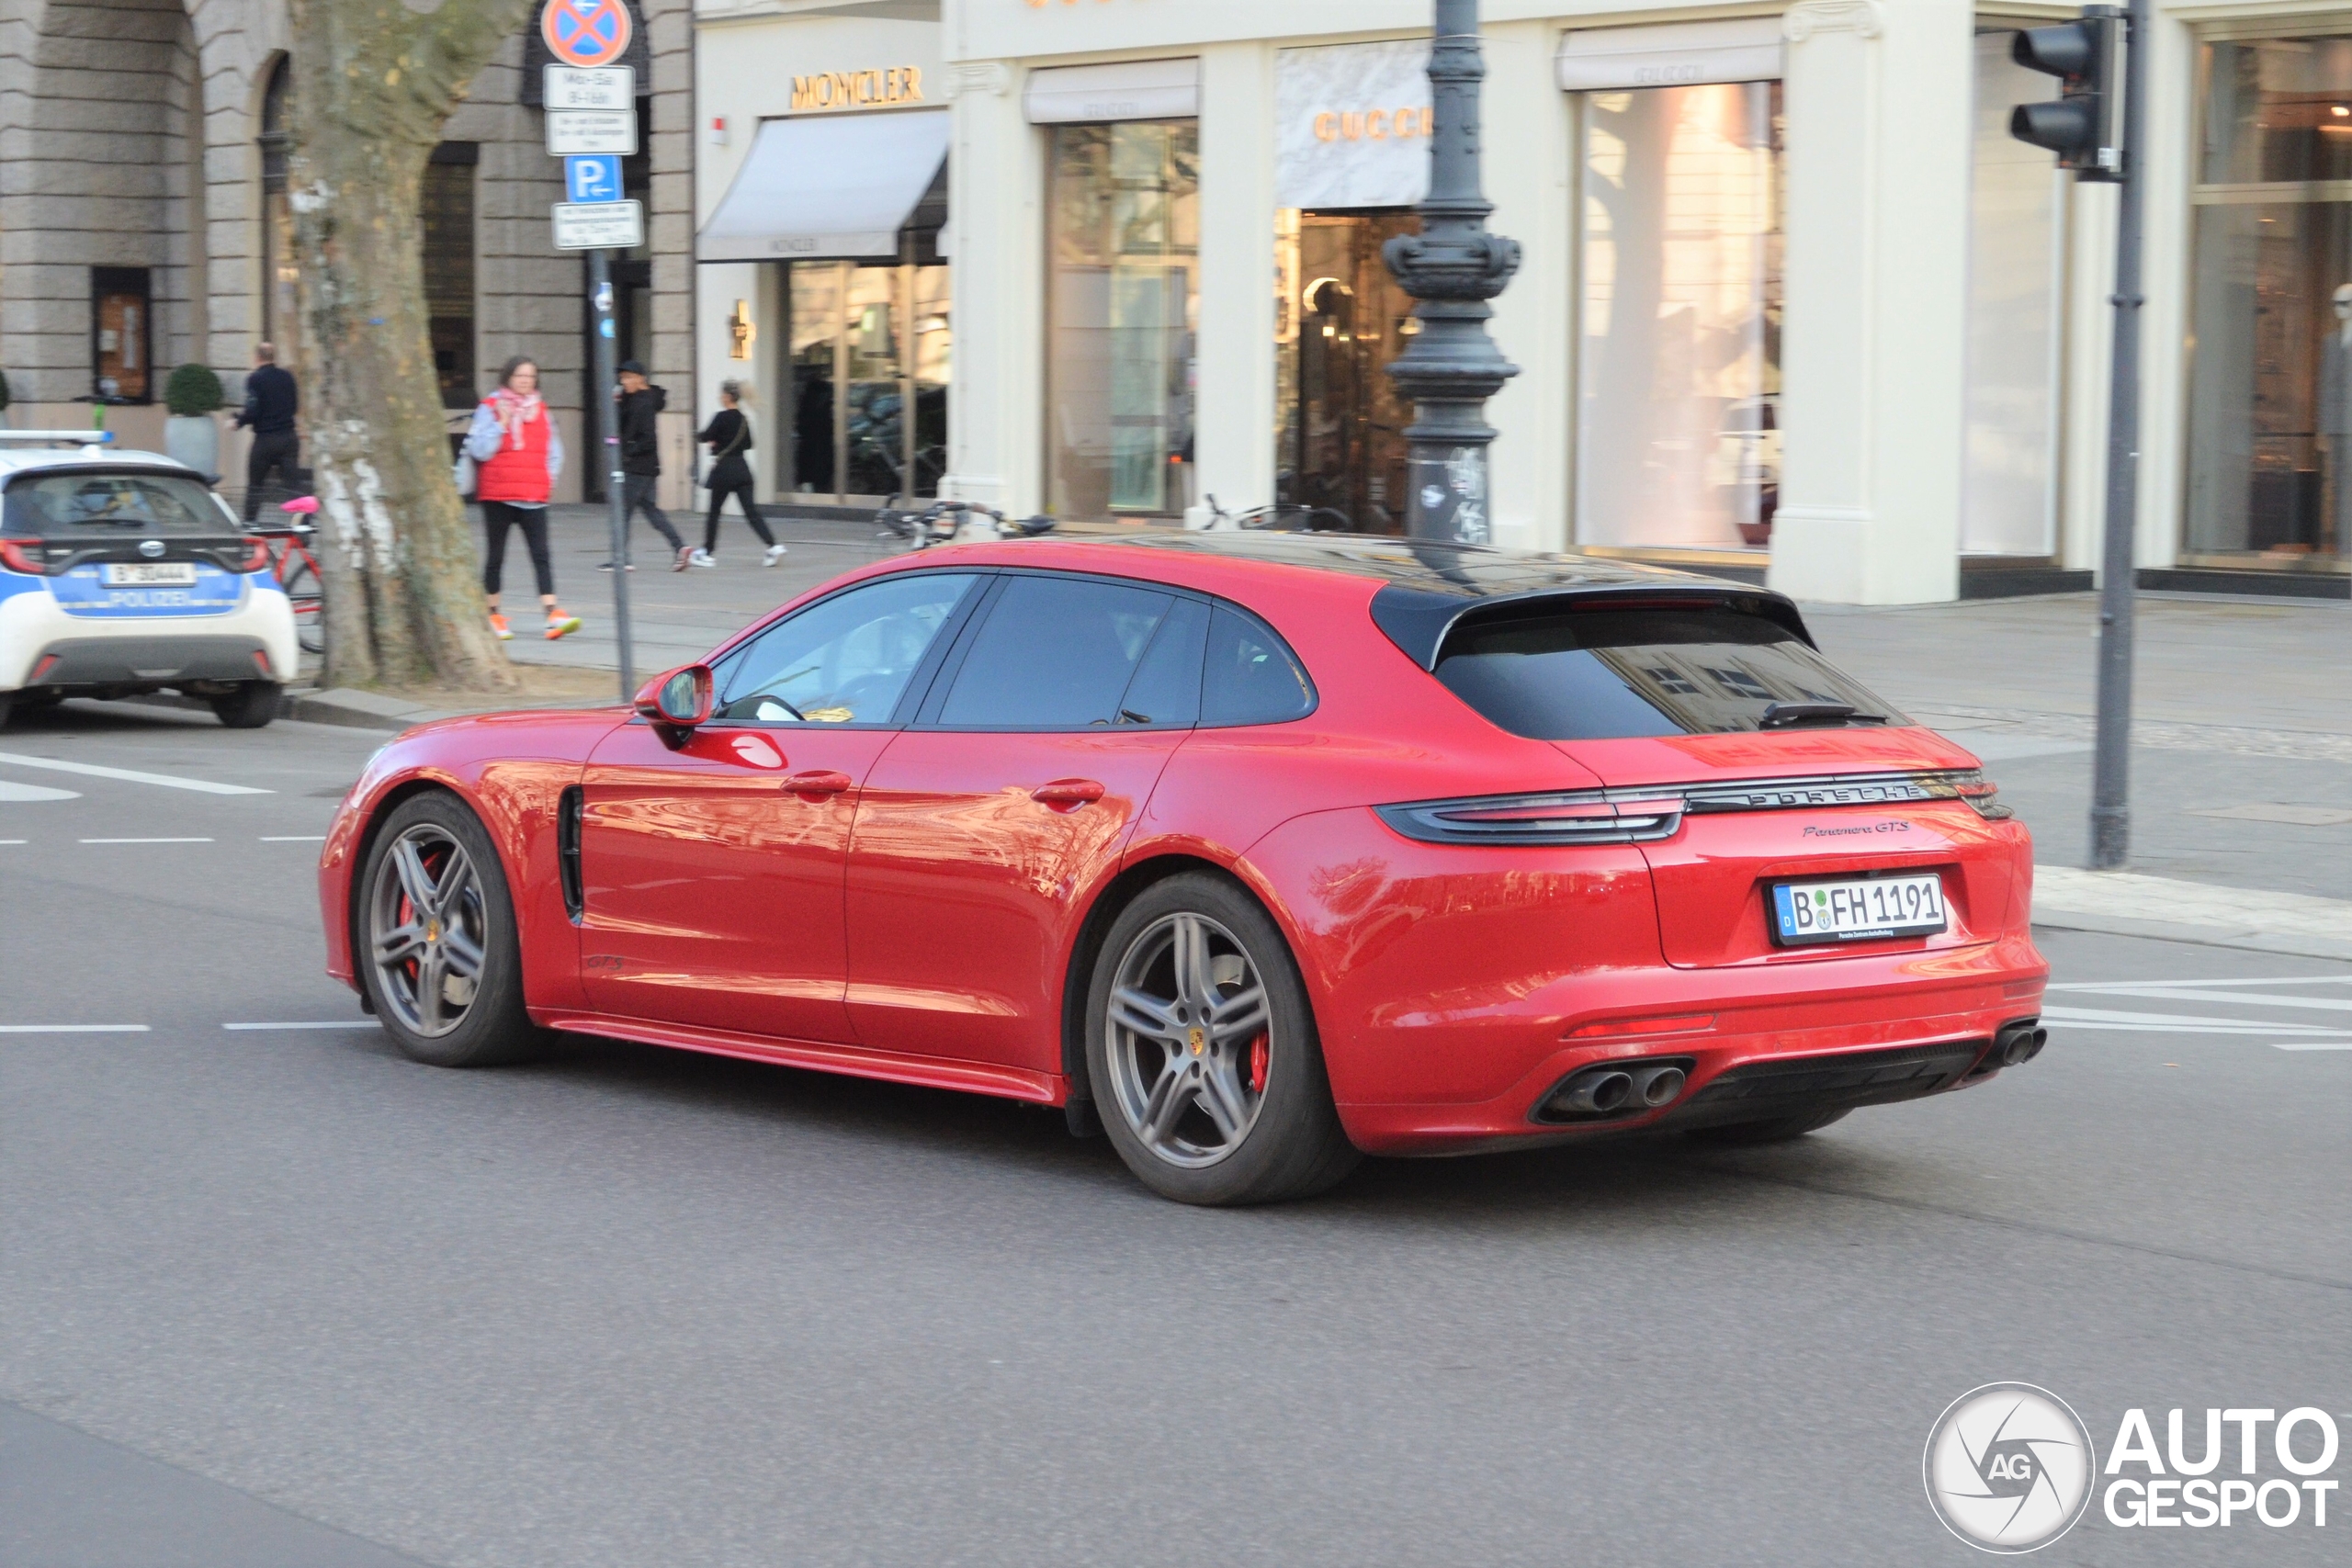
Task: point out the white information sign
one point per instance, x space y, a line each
599 225
581 87
572 131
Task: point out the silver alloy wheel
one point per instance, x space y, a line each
1189 1039
427 929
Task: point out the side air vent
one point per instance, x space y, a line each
567 851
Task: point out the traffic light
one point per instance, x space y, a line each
2081 125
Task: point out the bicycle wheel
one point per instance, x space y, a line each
308 596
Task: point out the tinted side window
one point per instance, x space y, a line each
845 659
1251 676
1054 653
1594 674
1166 688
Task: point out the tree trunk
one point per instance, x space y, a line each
374 82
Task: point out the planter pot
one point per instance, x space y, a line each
194 439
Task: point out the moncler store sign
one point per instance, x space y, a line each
1352 125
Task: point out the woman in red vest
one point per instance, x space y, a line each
517 453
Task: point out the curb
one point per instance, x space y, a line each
2280 942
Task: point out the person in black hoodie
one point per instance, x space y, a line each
271 404
641 403
729 436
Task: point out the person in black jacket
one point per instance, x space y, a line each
641 403
729 436
271 402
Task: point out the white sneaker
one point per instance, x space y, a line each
776 554
702 557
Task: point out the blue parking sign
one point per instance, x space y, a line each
593 177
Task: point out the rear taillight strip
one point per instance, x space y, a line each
1652 812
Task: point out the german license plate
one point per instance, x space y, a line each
1862 908
151 574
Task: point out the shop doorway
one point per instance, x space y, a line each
1340 445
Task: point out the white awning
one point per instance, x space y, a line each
819 186
1671 55
1125 89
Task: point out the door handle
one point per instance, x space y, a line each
818 784
1066 795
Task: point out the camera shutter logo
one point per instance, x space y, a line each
2009 1467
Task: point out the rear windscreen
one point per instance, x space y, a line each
106 506
1601 674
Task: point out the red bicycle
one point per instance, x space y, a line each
297 570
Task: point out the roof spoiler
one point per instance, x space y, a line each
1418 622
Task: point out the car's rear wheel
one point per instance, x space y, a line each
1203 1053
251 706
438 951
1780 1130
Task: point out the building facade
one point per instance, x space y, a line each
145 223
1794 305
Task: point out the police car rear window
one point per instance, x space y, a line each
85 505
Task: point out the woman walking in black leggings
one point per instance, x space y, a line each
729 436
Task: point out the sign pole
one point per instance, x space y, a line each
600 296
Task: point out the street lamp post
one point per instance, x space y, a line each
1453 266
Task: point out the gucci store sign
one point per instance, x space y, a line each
1352 125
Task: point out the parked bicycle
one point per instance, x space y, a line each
948 522
297 570
1287 517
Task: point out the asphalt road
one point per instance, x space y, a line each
276 1298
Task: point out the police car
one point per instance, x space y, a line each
123 573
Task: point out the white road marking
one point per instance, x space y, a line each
129 776
2239 998
73 1029
17 793
313 1023
144 841
293 838
2170 985
2174 1022
2314 1045
13 840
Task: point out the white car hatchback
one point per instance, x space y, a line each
123 573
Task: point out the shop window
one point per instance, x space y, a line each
867 343
1339 321
2270 404
122 323
1122 309
1678 441
2015 263
445 208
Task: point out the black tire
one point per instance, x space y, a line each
1291 1145
253 705
1780 1130
494 1028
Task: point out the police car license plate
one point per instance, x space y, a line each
151 574
1862 908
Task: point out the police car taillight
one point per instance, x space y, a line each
16 555
257 557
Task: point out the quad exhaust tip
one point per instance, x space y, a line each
1598 1093
2019 1044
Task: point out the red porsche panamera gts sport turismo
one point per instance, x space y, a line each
1260 848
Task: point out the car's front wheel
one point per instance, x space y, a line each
438 950
1203 1051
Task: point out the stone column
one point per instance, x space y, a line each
1874 329
995 193
1233 410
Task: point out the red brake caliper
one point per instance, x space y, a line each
1259 1053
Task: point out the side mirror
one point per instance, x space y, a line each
678 701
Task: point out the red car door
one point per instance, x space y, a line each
988 825
712 873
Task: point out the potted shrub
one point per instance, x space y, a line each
191 436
